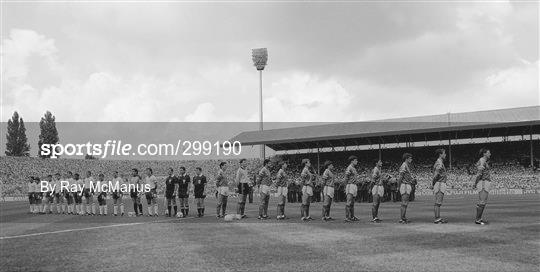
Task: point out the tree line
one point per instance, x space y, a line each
17 142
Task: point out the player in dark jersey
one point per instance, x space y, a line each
328 180
31 194
199 181
243 184
307 189
222 186
482 182
377 191
351 189
135 183
102 195
282 183
183 181
264 181
117 195
405 179
438 184
170 192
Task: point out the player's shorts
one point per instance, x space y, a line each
78 197
439 187
133 194
183 194
282 191
405 189
265 189
223 190
87 193
116 195
328 191
378 190
439 199
307 190
102 199
200 195
483 185
351 189
169 194
243 188
150 195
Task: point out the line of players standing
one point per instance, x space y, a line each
177 186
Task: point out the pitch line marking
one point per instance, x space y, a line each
89 228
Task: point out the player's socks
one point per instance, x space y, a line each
135 208
106 208
115 209
122 208
149 209
479 212
156 209
140 209
187 211
169 208
175 208
93 208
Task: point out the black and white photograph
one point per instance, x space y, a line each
269 135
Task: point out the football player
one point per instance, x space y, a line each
328 190
78 194
282 184
135 183
222 186
243 187
199 181
102 195
68 195
151 197
377 191
307 189
89 194
58 194
438 185
351 177
117 194
170 193
405 179
38 195
482 182
265 182
31 194
183 191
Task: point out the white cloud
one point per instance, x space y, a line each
302 97
19 47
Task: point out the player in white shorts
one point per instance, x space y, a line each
438 185
222 186
78 195
307 189
377 191
351 189
151 197
482 182
58 194
282 185
328 191
264 181
101 191
117 194
31 194
405 179
89 183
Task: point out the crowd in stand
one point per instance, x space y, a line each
508 170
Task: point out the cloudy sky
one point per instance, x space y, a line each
327 61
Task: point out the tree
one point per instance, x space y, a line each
48 134
16 144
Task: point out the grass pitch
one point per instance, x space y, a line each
511 242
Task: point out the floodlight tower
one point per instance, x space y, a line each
260 57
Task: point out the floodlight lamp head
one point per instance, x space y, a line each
260 57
